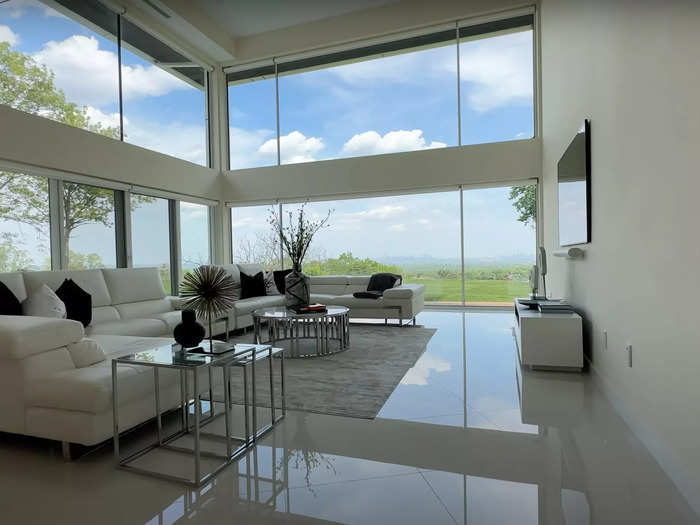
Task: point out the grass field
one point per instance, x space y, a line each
450 289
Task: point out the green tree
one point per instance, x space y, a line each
525 202
347 264
12 257
29 86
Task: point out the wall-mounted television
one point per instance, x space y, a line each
574 189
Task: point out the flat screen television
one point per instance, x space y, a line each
574 189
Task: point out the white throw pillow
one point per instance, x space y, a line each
86 352
270 286
44 303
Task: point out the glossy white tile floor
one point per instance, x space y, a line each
455 443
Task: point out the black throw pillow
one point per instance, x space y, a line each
9 304
78 302
279 276
252 285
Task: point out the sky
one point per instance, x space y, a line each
397 103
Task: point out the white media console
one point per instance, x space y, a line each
549 341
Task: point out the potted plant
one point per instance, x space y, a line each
296 234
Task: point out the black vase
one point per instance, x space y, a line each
189 333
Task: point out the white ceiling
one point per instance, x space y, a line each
249 17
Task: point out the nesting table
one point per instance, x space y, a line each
330 330
169 357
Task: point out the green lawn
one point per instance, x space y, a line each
450 290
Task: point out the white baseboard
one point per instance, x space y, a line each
687 485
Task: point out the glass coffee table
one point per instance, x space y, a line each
328 331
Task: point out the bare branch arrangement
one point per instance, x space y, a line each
297 232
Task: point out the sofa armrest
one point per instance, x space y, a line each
178 303
22 336
404 291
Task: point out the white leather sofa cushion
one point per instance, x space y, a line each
103 314
171 319
15 282
131 285
246 306
44 303
89 389
22 336
235 273
328 284
322 298
144 309
136 327
91 281
357 283
405 291
250 268
85 353
353 302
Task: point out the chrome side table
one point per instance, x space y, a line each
166 357
330 330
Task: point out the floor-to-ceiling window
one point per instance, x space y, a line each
253 240
252 123
471 84
194 235
496 86
387 104
414 235
24 222
60 60
164 107
499 242
150 235
89 239
57 68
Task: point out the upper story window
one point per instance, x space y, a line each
452 87
56 67
62 62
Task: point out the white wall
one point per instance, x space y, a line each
481 164
39 142
633 68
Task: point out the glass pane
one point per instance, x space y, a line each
24 222
416 236
55 67
496 88
194 235
150 235
254 240
396 103
499 243
252 124
164 108
88 226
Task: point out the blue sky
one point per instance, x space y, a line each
385 105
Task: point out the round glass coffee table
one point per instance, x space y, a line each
309 335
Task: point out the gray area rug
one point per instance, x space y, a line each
354 383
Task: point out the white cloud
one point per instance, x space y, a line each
110 120
183 141
88 74
497 70
8 35
372 143
418 375
294 147
245 148
397 228
380 213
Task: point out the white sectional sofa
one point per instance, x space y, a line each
48 390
